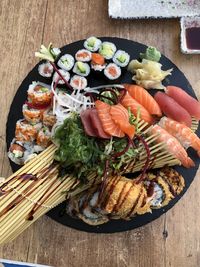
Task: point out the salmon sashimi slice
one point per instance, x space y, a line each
109 126
172 145
120 116
135 107
144 98
183 133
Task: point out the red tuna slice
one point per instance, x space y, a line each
87 124
97 125
172 109
186 101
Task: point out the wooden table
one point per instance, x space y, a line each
173 239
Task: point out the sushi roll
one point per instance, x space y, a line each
83 55
78 82
107 50
81 68
64 73
66 62
39 94
112 72
48 118
25 131
98 63
92 44
121 58
31 114
16 152
44 137
45 70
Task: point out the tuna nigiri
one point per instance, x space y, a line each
184 134
172 109
131 103
120 116
109 126
189 103
144 98
173 146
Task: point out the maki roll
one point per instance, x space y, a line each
107 50
78 82
112 72
25 131
44 137
83 55
48 118
92 44
64 73
39 94
81 68
121 58
31 114
45 70
19 152
98 62
66 62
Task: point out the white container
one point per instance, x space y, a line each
188 22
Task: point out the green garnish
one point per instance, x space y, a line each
106 50
44 89
151 53
48 53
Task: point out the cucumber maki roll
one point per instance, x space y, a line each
112 71
121 58
78 82
83 55
92 44
107 50
64 73
81 68
66 62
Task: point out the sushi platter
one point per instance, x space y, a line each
102 120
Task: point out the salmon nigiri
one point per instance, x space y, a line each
120 116
189 103
183 133
144 98
109 126
129 102
172 109
173 146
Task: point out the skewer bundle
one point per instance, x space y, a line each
36 188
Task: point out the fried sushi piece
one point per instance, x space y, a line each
48 118
44 137
31 114
39 94
25 131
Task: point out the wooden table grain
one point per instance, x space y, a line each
171 240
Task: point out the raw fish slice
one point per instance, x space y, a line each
108 124
120 116
129 102
173 146
189 103
85 119
144 98
172 109
184 134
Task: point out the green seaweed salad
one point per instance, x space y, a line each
79 154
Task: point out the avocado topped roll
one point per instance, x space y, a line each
66 62
107 50
31 114
121 58
92 44
81 68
